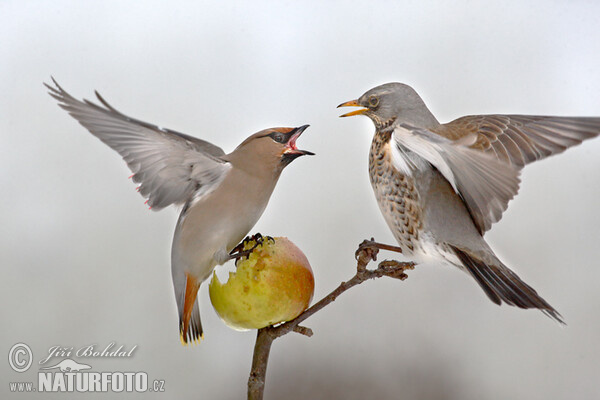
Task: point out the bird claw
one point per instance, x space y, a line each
396 269
270 238
238 251
369 248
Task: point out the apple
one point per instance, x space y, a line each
274 284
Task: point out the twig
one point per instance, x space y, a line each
367 252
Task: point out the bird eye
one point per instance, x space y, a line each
373 101
278 137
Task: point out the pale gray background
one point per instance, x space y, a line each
84 261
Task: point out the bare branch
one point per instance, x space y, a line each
303 330
366 252
260 359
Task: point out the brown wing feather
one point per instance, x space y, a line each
520 139
516 140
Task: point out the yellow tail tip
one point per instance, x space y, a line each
194 341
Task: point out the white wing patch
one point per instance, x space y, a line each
407 139
485 183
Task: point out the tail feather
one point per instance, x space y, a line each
501 284
190 326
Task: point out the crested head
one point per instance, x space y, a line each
270 149
391 102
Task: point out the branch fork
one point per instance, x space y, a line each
367 251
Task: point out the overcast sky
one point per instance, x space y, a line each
84 262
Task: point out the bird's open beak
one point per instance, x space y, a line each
291 149
352 103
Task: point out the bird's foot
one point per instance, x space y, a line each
365 254
396 269
371 247
239 252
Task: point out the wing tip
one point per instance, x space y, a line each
55 91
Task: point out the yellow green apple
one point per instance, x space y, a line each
274 284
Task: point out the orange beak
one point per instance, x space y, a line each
352 103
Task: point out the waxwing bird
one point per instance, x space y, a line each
440 187
223 195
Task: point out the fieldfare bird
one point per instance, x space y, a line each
440 187
223 195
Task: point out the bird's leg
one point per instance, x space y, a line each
239 252
374 247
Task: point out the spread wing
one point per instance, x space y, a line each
485 183
172 167
520 139
481 155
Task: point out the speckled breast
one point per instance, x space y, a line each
396 194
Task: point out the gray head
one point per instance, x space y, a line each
392 102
